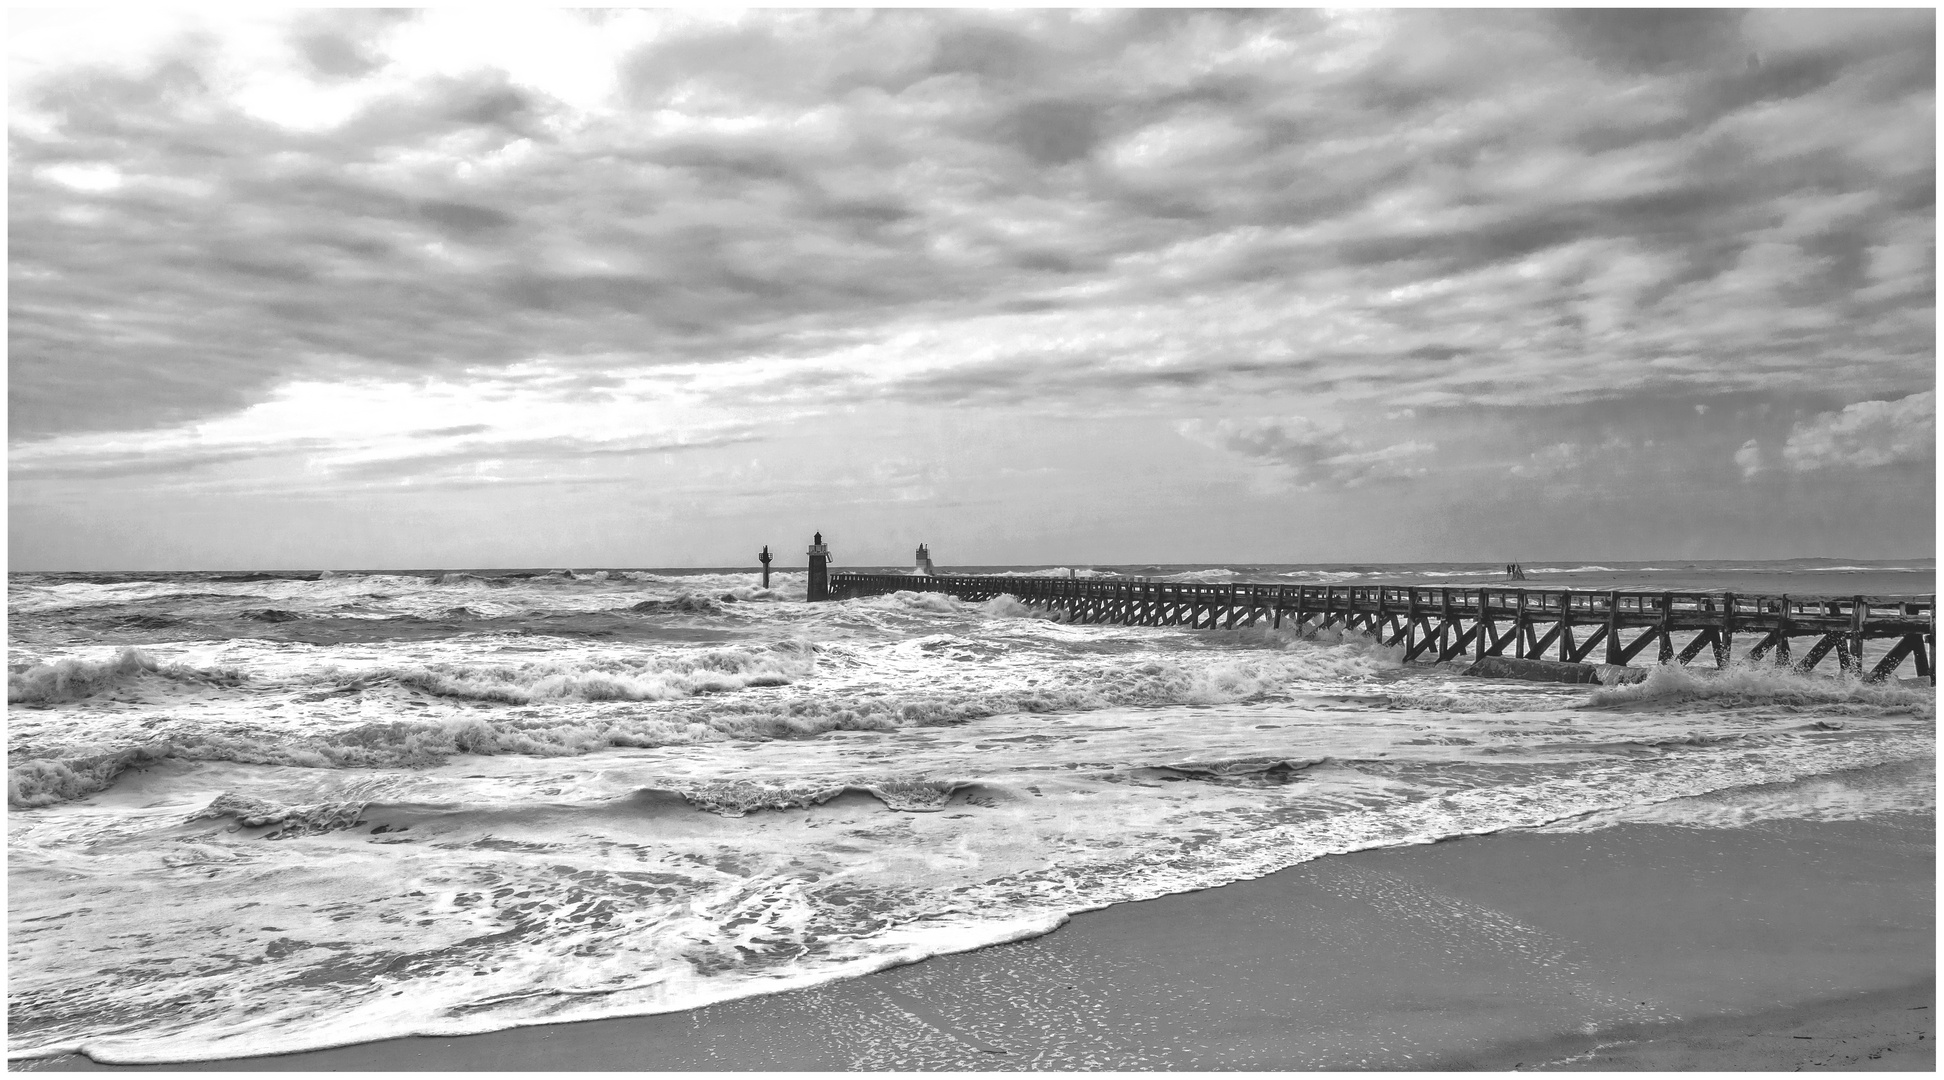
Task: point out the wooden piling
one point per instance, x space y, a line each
1566 625
1725 637
1859 611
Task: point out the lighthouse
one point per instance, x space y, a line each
923 564
819 570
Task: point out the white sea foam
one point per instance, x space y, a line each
617 679
1756 683
71 679
570 915
595 700
1053 572
1905 787
37 782
558 805
1325 576
1215 574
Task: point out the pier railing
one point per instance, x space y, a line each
1447 623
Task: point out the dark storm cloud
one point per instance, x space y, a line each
1426 208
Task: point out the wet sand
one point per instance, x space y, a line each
1778 946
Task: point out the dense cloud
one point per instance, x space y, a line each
1454 199
1167 213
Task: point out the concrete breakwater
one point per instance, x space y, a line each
1437 623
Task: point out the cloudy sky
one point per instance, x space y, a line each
380 289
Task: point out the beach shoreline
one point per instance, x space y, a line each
1782 944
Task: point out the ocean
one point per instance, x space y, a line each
256 813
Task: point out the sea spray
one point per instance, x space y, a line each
1752 682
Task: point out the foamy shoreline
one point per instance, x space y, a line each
1492 952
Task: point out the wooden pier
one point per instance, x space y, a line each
1436 623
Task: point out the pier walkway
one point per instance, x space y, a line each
1444 623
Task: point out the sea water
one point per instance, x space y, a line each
255 813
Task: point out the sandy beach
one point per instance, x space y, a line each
1783 945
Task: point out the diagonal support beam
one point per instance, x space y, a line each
1431 638
1887 666
1634 648
1769 641
1819 650
1701 641
1458 647
1585 648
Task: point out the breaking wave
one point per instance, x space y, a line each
1008 606
1242 772
619 679
1758 683
55 776
72 679
43 783
1195 577
685 604
295 820
936 603
737 798
1442 702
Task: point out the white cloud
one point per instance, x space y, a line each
1866 435
1749 457
90 177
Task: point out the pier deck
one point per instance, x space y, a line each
1447 623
